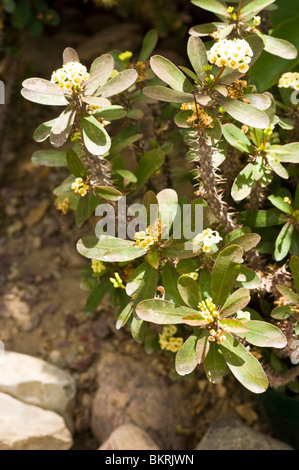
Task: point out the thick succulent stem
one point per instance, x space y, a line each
209 182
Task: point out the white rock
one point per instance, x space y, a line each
36 382
28 427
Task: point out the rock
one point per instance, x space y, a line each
27 427
129 437
133 392
37 382
231 434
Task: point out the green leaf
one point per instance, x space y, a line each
237 301
214 364
283 241
123 140
194 319
254 7
96 101
135 279
244 113
75 165
9 5
168 208
225 272
237 138
185 359
280 47
69 55
190 291
202 345
41 85
107 192
170 74
246 180
150 162
162 312
49 158
198 56
234 326
100 71
288 153
43 131
148 45
62 128
124 316
95 248
287 30
248 278
280 204
170 283
205 29
262 218
282 313
162 93
294 266
264 334
44 98
95 298
110 113
258 100
86 206
243 365
138 329
288 294
212 5
278 169
153 258
121 82
95 137
247 241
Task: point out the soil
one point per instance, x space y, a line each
42 304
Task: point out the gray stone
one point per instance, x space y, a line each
27 427
36 382
232 434
129 437
131 391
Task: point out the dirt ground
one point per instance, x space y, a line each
42 304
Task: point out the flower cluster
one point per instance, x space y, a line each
97 266
208 310
116 281
218 335
70 76
167 340
232 53
289 80
208 238
149 237
199 118
243 315
79 187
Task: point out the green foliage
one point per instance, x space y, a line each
124 124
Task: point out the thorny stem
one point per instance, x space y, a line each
208 179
